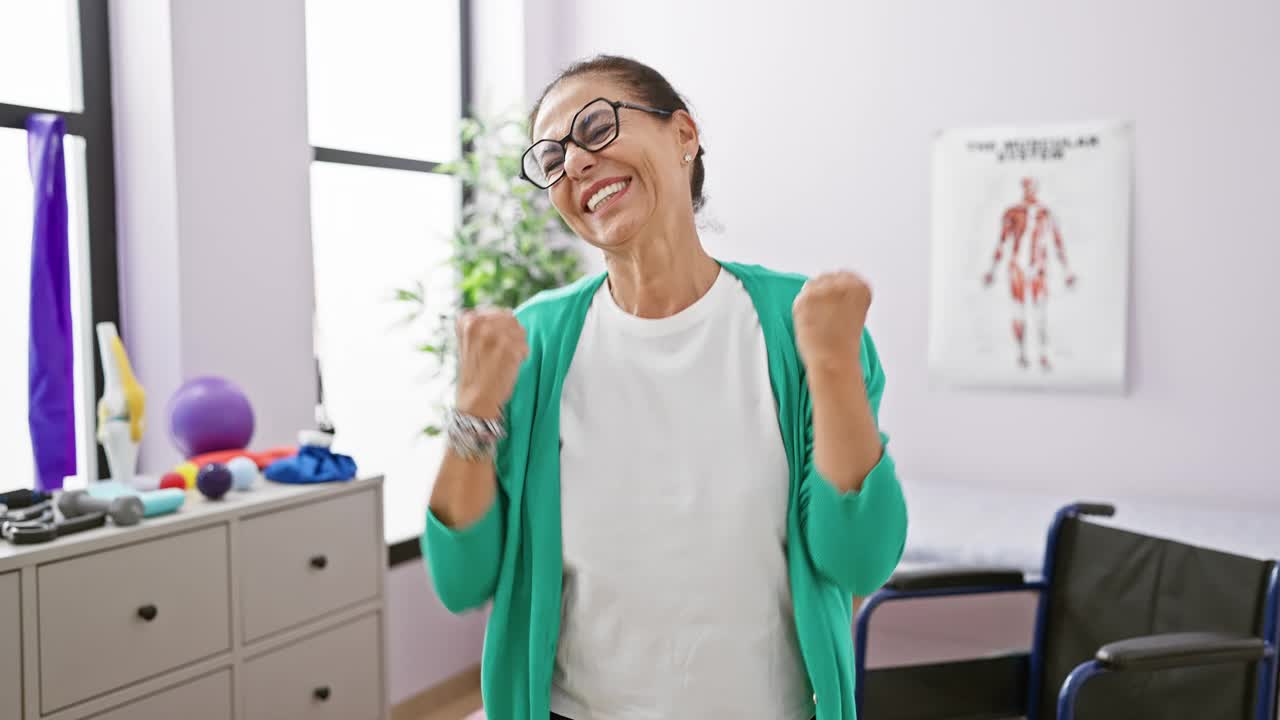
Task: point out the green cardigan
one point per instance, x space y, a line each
838 545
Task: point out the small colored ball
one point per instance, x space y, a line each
173 480
214 480
244 472
188 471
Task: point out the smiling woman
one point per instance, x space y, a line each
636 90
668 478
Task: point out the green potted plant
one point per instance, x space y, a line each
509 244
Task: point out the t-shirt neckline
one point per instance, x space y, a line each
715 296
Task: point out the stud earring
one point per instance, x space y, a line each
687 158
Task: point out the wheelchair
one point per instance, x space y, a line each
1128 627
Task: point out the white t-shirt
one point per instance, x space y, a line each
674 487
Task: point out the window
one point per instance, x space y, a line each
57 60
386 83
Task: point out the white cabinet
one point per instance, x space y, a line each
10 639
268 604
145 608
206 698
331 676
301 563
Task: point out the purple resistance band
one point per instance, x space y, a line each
50 374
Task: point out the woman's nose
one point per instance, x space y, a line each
577 161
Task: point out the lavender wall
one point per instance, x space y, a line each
147 208
872 81
245 206
212 181
426 644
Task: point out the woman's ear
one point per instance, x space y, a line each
686 131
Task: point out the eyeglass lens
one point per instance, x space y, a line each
594 127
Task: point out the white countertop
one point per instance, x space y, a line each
197 511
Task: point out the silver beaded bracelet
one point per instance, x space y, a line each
473 438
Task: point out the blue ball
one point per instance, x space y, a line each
214 480
244 472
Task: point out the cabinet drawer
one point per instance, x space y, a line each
301 563
115 617
336 675
10 646
206 698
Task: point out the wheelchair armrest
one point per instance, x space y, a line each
1096 509
948 578
1174 650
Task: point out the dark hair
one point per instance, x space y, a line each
650 87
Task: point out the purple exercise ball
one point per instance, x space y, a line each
214 480
208 414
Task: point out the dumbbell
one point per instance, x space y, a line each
123 510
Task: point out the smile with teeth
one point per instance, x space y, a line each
605 193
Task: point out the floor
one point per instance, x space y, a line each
458 698
461 709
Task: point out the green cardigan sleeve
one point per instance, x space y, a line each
463 562
855 539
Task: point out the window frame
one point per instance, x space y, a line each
94 124
407 550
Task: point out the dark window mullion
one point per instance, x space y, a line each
95 79
15 116
389 162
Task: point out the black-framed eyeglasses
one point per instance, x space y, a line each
593 128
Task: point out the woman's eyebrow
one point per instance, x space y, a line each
554 135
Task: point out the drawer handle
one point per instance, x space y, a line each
148 612
322 693
319 562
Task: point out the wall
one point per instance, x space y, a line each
147 206
244 200
426 645
817 117
212 161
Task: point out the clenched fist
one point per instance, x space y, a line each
829 314
491 347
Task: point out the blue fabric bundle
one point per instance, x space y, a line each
312 464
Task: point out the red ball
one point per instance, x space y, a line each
173 480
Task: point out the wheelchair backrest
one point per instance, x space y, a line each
1109 584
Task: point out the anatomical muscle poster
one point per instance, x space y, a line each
1030 267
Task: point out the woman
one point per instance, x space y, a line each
668 478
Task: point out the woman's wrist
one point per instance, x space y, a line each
473 437
834 371
476 404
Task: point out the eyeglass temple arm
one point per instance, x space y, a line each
645 108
